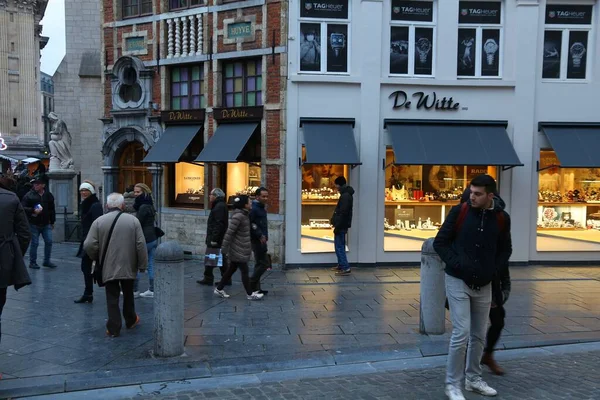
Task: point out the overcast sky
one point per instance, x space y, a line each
54 28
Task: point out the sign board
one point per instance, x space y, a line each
182 116
335 9
479 12
412 11
572 14
135 43
239 30
238 114
422 100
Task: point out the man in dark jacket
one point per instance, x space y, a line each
14 239
342 221
218 221
474 242
259 234
39 207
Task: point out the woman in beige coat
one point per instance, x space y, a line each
237 247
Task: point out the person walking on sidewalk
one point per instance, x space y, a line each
15 236
342 221
91 210
237 247
474 241
39 207
146 213
123 255
259 234
218 220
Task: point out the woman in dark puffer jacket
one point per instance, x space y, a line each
237 247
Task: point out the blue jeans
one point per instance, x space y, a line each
339 241
151 248
46 232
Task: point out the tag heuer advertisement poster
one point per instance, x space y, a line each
337 9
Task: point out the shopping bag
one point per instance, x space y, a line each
213 257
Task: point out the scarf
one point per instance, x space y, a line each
142 199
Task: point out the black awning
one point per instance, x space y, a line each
329 141
451 143
172 144
227 143
576 145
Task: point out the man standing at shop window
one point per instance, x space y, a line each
41 212
475 243
259 233
342 221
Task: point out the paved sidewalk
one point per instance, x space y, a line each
310 318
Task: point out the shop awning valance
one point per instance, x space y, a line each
172 144
227 143
417 142
329 141
575 145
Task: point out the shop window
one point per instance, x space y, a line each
479 39
568 213
324 45
180 4
188 185
412 34
131 169
319 198
187 88
418 198
566 37
242 83
136 8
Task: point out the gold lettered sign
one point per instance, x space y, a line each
238 114
182 116
548 159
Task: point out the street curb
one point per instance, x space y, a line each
275 368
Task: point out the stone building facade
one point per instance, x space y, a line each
184 82
20 99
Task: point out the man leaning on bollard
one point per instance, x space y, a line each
121 256
474 242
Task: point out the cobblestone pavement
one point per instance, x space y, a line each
310 318
570 376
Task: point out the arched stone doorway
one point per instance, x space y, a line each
131 169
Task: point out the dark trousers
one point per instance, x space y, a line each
233 266
2 303
88 279
261 265
114 323
497 315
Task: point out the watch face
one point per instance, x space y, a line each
491 46
338 40
423 44
577 48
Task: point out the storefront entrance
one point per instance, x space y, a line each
131 169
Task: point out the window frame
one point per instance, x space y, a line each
412 26
244 77
140 4
188 6
190 80
323 23
479 28
565 30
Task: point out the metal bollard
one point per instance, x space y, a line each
432 313
168 300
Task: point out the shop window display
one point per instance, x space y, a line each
418 199
189 185
319 198
242 178
568 213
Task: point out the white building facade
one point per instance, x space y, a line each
411 99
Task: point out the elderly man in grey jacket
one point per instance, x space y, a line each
125 255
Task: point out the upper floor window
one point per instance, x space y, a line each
479 39
566 37
324 36
136 8
412 35
242 83
179 4
187 88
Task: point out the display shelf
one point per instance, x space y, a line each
420 203
572 204
319 203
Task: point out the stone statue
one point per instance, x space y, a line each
60 144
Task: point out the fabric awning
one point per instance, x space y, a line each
329 141
576 146
171 145
12 157
451 143
227 143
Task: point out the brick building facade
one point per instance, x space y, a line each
194 96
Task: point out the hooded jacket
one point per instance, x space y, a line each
342 216
480 249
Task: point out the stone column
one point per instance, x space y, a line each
157 190
168 300
432 313
111 179
63 189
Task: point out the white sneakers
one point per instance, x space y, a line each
136 295
147 293
253 296
479 386
454 393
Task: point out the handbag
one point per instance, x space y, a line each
97 275
158 232
213 257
